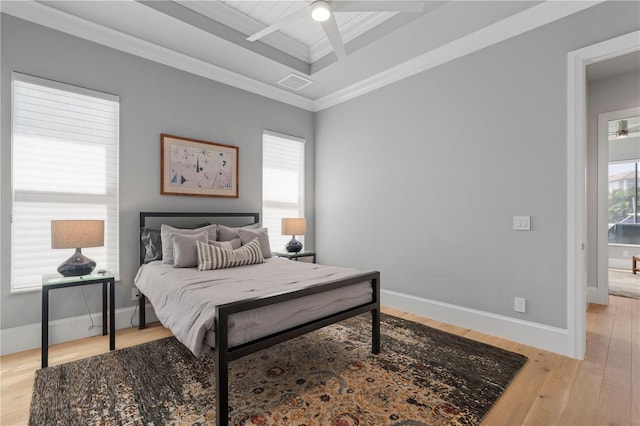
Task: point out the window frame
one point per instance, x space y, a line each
63 198
301 185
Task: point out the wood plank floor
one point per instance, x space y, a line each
551 389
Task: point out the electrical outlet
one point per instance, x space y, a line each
519 304
135 293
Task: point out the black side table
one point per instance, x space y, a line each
54 281
296 256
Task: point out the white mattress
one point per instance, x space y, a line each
184 299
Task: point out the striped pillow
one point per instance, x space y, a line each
212 257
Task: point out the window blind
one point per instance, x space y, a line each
282 184
64 166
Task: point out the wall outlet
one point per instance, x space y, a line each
625 253
520 304
522 223
135 293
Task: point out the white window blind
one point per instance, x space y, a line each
64 166
282 184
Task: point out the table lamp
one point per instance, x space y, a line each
77 234
294 226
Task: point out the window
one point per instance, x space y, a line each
624 206
64 166
282 184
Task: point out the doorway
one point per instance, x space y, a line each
618 203
577 62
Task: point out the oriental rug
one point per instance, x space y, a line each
423 376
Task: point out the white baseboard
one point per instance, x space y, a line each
541 336
594 295
25 337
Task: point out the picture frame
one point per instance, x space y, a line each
197 168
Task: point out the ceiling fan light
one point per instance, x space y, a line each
320 10
623 131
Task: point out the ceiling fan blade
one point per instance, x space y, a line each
331 28
292 17
377 6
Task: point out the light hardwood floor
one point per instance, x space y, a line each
551 389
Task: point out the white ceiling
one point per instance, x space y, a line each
208 38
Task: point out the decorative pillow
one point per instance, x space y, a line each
229 245
212 257
167 244
261 234
185 252
227 233
151 244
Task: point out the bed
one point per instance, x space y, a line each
237 311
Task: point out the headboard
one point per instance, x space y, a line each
190 219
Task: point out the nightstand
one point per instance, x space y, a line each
55 281
296 256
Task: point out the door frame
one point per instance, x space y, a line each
577 62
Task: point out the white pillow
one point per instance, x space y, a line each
167 244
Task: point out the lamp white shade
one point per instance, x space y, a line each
294 226
77 233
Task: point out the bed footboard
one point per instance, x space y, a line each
223 354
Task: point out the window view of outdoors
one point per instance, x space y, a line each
624 203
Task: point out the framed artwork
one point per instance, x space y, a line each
193 167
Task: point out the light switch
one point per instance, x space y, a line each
522 223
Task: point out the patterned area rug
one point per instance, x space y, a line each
328 377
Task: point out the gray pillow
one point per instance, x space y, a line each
151 244
227 233
229 245
185 249
167 244
262 234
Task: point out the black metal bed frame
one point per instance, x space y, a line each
223 354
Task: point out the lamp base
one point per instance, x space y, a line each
293 246
77 265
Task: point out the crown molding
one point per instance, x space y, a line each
519 23
58 20
527 20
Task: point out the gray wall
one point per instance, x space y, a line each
603 95
420 179
154 99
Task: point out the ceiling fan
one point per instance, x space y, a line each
323 11
623 129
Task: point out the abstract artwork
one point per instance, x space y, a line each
193 167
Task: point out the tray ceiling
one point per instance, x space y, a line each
209 38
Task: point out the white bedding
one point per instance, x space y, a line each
184 299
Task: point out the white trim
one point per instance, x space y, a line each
576 184
283 136
602 251
44 15
512 26
26 337
52 84
240 22
541 336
